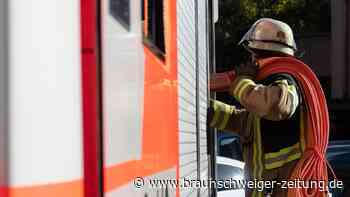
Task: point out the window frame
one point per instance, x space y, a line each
125 22
148 41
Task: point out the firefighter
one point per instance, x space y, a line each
270 118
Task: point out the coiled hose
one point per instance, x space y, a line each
312 166
313 163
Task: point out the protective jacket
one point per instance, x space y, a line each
270 123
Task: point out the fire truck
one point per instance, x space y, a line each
97 93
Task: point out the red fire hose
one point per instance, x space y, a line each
313 164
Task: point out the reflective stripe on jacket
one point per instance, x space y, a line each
276 101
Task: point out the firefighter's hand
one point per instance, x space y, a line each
249 70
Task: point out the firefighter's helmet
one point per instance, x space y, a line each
271 35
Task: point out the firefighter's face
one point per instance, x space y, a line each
253 56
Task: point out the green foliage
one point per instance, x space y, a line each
236 17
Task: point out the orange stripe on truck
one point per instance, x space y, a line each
115 176
72 188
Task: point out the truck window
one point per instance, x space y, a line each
120 10
154 34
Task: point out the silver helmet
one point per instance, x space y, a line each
271 35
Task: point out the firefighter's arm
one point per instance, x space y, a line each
277 101
225 117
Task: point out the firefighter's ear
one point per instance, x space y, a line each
257 64
254 58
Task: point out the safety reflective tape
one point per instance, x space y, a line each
255 161
238 85
278 159
257 155
222 113
282 151
227 113
260 163
282 157
244 87
216 113
239 89
282 162
281 81
293 90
